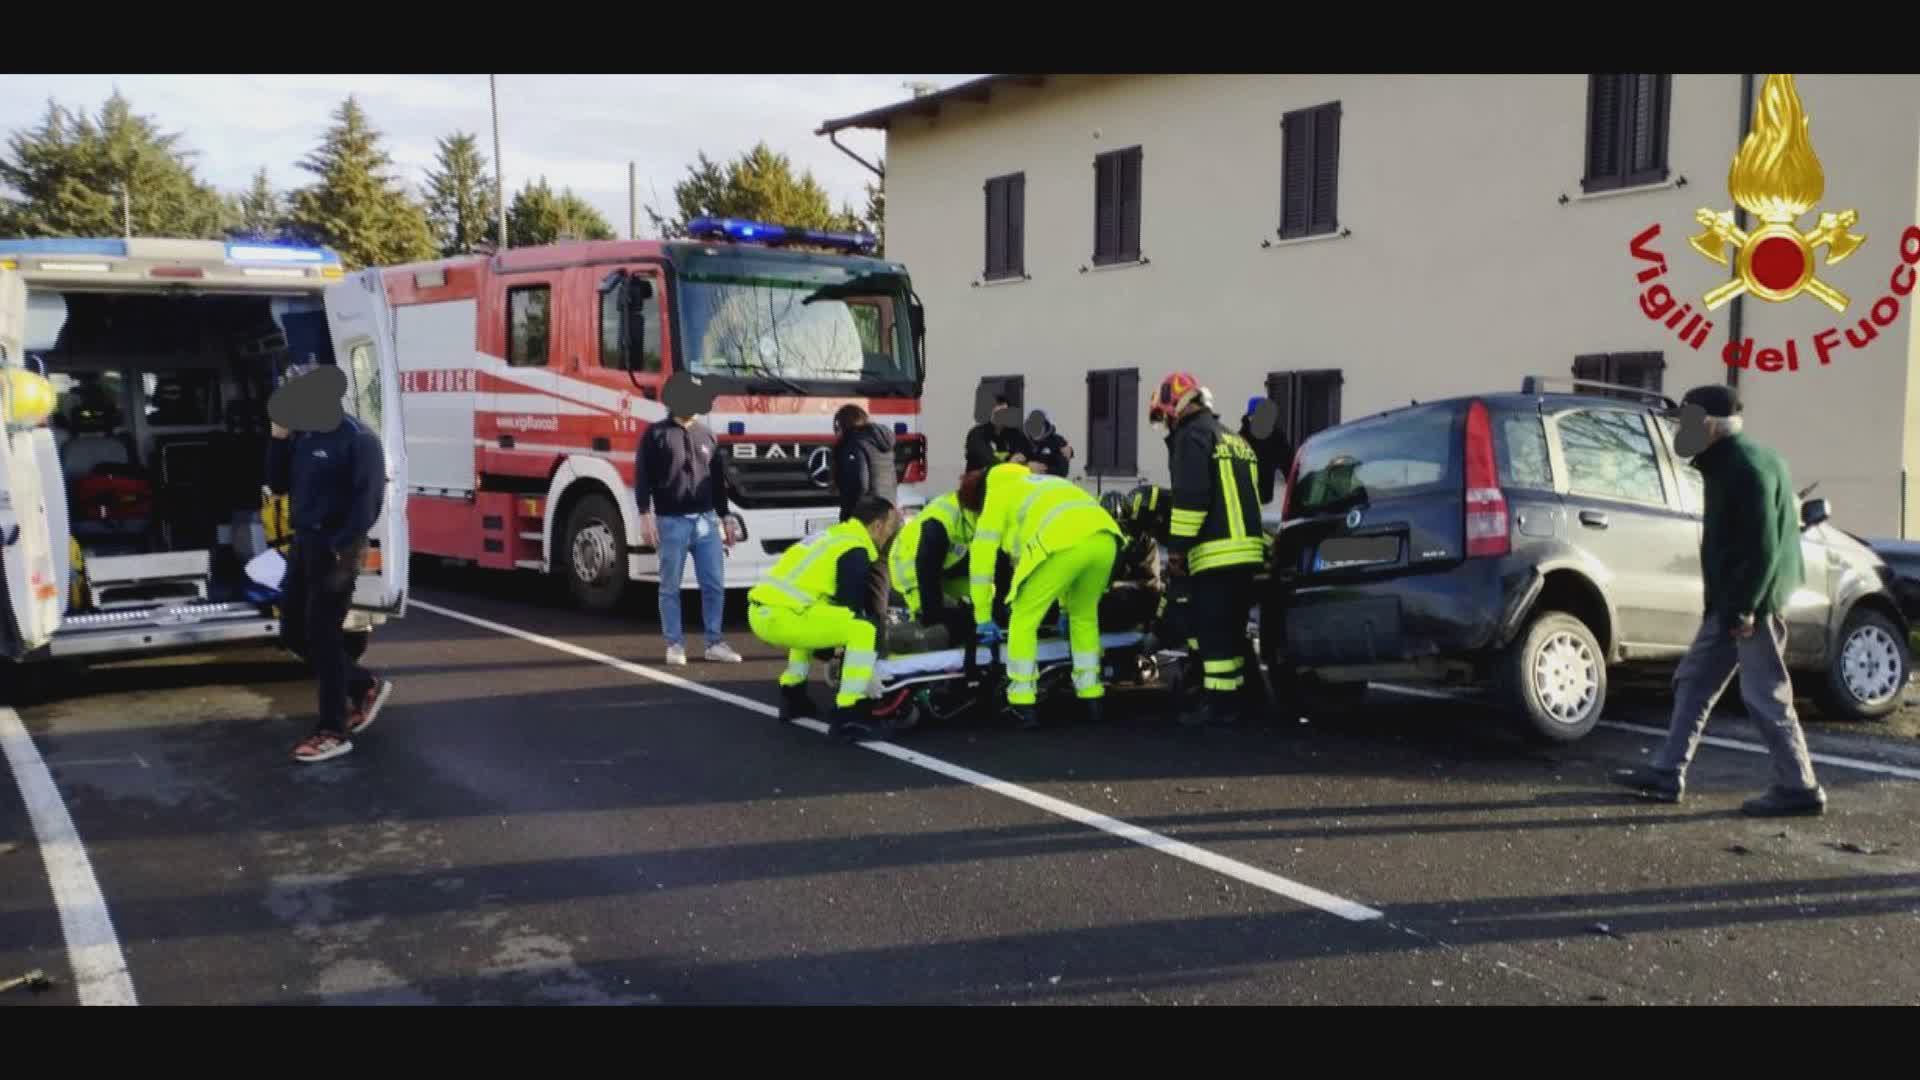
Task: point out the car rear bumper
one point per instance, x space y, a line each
1406 623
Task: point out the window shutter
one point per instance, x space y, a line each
1647 162
1106 224
1296 178
1593 367
1604 109
1126 422
996 227
1099 421
1016 231
1280 389
1326 168
1128 247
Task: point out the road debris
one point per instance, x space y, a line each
35 980
1605 929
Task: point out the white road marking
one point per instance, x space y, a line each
99 968
1859 764
1166 845
1836 760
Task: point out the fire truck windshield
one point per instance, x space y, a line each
794 322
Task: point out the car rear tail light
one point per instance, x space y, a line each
1486 503
916 471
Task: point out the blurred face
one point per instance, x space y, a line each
883 529
1693 436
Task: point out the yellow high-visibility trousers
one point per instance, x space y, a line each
821 626
1078 575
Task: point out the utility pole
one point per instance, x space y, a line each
499 172
633 200
126 210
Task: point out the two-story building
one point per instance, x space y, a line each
1347 243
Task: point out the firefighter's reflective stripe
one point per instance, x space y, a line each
1217 553
1188 522
1224 674
799 664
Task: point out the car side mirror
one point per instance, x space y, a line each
1814 512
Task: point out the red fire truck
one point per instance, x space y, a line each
528 376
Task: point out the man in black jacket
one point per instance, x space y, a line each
862 459
996 439
334 473
680 487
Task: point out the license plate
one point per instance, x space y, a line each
822 524
1346 552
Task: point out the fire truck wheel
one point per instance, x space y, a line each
593 554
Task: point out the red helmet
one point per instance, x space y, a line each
1176 392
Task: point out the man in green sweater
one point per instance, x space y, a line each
1750 560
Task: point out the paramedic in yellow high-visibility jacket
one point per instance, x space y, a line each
817 596
1063 547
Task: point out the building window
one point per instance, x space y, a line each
528 325
1641 370
1007 226
1626 130
1310 171
1116 202
1113 422
1011 387
1309 401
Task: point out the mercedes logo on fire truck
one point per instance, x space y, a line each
820 467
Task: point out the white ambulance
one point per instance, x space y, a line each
134 376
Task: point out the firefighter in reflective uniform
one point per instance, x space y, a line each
1063 547
928 562
817 597
1215 539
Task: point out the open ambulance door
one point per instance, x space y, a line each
33 502
361 324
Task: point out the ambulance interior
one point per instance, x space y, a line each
162 429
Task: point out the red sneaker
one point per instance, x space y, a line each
324 747
363 712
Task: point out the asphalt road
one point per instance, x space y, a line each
526 824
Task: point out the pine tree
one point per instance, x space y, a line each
356 207
759 185
257 213
75 175
462 201
876 216
538 216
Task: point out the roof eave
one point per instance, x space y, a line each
978 91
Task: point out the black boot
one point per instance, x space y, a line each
795 704
854 722
1787 802
1093 711
1022 717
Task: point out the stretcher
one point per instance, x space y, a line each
943 684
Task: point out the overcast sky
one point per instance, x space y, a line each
577 130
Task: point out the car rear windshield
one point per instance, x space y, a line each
1406 453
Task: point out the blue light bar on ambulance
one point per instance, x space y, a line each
759 232
279 253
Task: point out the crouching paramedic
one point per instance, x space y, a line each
1215 539
928 561
1063 546
817 596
